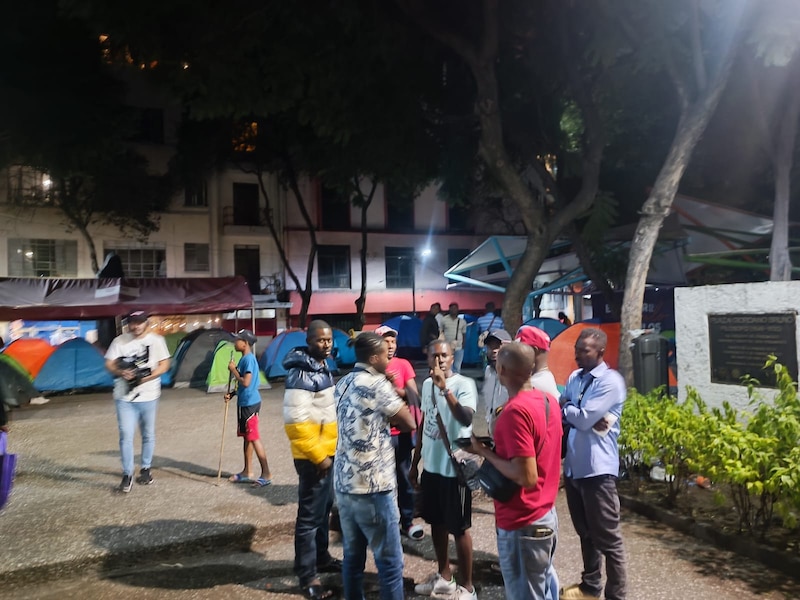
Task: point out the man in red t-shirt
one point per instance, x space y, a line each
402 375
528 451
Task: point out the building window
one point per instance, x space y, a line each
399 212
195 258
42 258
333 266
245 204
334 210
456 254
196 194
495 268
142 262
29 186
399 267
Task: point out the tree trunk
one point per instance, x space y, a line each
780 262
655 209
361 301
519 286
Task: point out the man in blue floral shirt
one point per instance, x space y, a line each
364 476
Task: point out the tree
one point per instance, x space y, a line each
62 115
695 45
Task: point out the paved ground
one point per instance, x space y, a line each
67 534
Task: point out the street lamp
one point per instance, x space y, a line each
424 254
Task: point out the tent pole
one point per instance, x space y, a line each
253 315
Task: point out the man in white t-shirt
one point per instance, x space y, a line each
137 360
542 378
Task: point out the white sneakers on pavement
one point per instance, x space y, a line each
437 586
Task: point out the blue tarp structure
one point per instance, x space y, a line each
344 355
74 365
407 329
551 327
472 354
271 362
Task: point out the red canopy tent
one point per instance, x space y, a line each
56 299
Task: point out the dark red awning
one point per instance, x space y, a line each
57 299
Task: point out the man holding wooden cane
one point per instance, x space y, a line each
248 403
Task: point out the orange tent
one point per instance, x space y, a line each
561 359
31 353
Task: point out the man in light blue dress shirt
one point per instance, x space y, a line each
591 406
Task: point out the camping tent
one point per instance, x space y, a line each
344 355
74 365
561 359
551 327
31 353
192 360
271 361
15 384
219 376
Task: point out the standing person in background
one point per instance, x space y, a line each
494 393
430 327
454 329
364 477
542 378
248 404
446 503
591 406
400 372
309 415
137 359
490 321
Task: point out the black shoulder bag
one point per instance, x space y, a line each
466 464
494 483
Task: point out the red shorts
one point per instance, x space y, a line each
248 422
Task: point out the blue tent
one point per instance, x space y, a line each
74 365
407 329
472 354
344 355
271 361
551 327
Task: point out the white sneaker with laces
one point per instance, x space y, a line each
437 586
463 593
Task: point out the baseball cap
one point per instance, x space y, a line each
247 336
501 335
534 337
137 316
385 330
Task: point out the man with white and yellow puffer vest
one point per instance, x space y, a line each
309 415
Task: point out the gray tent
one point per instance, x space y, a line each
193 358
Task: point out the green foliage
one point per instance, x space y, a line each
753 457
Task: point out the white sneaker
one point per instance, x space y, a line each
463 593
437 586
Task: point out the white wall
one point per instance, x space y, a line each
692 307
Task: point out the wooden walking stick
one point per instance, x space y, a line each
224 424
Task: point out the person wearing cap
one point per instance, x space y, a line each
248 404
494 393
137 359
402 375
542 378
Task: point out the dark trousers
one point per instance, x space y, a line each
594 508
403 445
314 501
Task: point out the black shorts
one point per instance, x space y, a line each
248 422
446 503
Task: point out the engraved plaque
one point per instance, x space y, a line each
740 343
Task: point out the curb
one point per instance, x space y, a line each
784 562
238 538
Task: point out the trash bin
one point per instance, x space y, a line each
650 368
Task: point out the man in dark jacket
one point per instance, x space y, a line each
430 327
309 415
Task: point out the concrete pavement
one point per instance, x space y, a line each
66 522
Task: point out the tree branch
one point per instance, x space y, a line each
698 60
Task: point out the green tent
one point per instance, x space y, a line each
218 375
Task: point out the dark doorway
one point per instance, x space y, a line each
245 204
247 262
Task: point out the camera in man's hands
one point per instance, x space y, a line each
125 364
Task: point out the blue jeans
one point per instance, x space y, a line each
458 358
403 446
314 501
526 559
371 519
128 414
